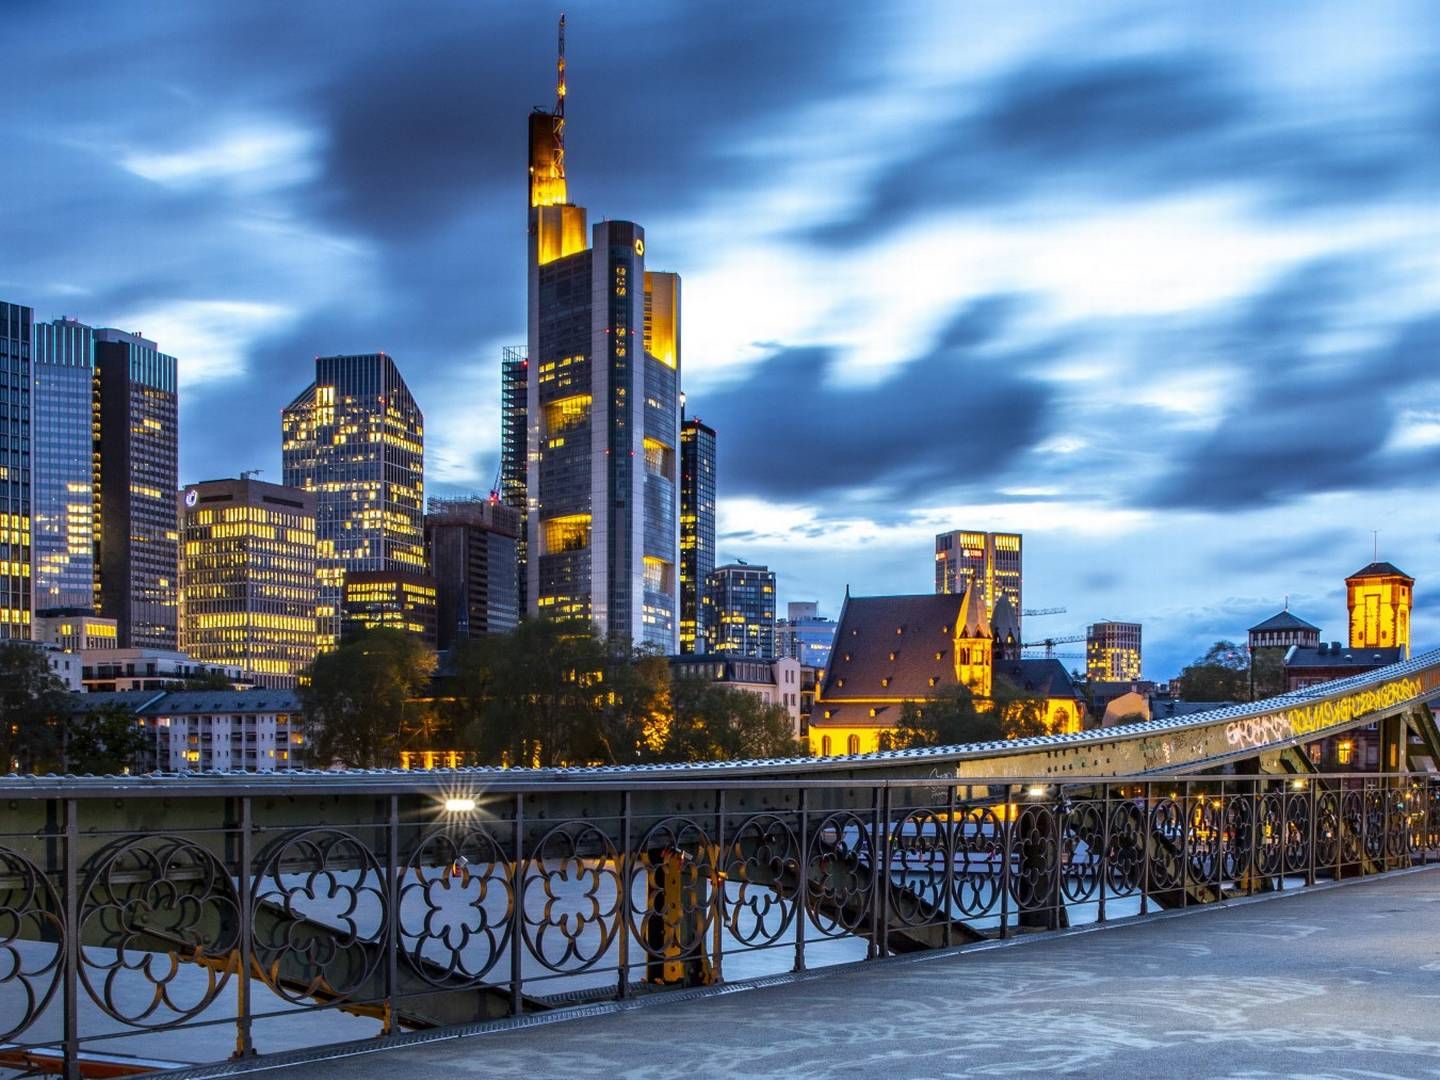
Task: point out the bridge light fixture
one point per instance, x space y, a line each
459 806
1037 791
1297 785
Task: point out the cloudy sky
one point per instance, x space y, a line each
1157 285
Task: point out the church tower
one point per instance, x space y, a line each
974 644
1379 597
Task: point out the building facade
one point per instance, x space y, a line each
137 447
739 608
389 600
76 630
356 439
697 528
1269 641
249 587
1112 651
513 374
1379 598
472 548
602 414
16 327
63 467
805 635
991 561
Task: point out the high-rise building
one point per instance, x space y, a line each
137 448
248 582
992 561
697 527
513 370
602 410
356 439
471 545
63 467
1112 651
389 599
15 535
1379 598
740 610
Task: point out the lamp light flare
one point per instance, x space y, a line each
459 806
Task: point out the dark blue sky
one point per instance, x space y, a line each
1158 285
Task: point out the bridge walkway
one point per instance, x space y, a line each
1339 981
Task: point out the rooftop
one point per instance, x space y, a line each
1284 620
1380 569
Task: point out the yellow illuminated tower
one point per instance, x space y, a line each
1379 597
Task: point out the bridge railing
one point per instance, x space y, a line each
146 924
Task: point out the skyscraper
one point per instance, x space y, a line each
471 545
697 528
249 585
991 560
740 610
63 467
513 368
15 330
137 453
356 439
1112 651
602 409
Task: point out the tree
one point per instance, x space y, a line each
1222 674
952 718
103 741
713 722
358 697
34 705
207 680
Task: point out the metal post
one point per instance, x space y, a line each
1312 855
517 908
802 888
1185 845
1385 789
244 1042
1057 894
1364 822
72 942
623 979
717 899
1006 839
1146 836
882 883
1251 886
392 922
1101 864
949 849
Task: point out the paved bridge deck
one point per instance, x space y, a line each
1334 982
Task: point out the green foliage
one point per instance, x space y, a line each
713 722
207 680
358 703
33 706
103 741
1267 672
1222 674
1130 718
952 718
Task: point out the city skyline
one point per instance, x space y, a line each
1148 423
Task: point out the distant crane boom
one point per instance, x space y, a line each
1043 611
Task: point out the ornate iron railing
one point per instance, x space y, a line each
138 920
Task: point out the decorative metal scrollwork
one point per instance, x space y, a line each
1205 837
570 896
1167 825
979 846
32 942
1036 856
454 901
1124 853
841 869
762 868
919 853
1297 854
1270 835
1082 847
672 875
1328 845
150 904
320 916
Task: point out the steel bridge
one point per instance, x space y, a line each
149 921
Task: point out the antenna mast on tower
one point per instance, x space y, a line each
559 114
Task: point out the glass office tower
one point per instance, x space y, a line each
991 561
137 453
513 369
63 468
471 545
16 324
356 439
740 610
697 528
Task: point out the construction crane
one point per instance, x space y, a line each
1043 611
1050 642
250 474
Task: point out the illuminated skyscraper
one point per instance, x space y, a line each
15 331
697 528
248 584
390 600
356 438
137 447
63 468
513 368
991 560
602 410
740 610
1112 651
1379 597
